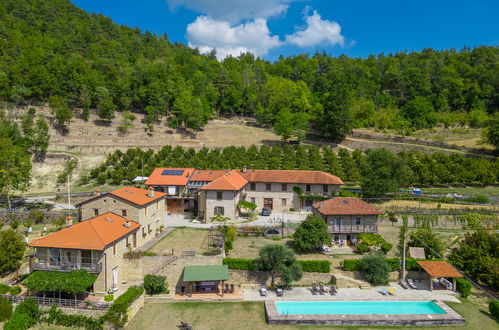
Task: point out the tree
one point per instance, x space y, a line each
425 238
15 168
491 132
126 123
280 262
375 269
420 112
105 103
154 284
27 123
41 138
68 170
12 248
284 125
383 172
60 110
311 234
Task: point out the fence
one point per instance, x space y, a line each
6 213
80 194
60 302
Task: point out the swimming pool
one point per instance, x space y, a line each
357 307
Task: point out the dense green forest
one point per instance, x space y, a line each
378 170
50 50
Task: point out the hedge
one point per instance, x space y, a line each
494 308
464 286
117 314
154 284
25 315
5 309
4 288
309 266
57 317
353 264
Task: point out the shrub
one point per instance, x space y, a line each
371 239
5 309
477 199
117 314
154 284
57 317
464 287
494 308
25 315
362 248
375 269
311 234
18 322
394 264
4 288
386 247
315 266
15 290
241 264
109 297
351 264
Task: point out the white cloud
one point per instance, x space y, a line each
234 11
318 31
206 34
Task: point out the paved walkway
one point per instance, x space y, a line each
348 294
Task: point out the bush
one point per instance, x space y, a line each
351 264
315 266
154 284
18 322
15 290
25 315
386 247
464 287
375 269
117 314
4 288
477 199
311 234
494 308
5 309
109 297
394 264
241 264
362 248
57 317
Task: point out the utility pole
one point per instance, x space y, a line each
69 193
403 261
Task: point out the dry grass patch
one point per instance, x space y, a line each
183 239
432 205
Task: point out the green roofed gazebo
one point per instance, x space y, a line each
206 279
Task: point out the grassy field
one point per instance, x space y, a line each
183 239
489 191
398 204
251 315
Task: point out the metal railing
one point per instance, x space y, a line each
59 302
352 228
67 267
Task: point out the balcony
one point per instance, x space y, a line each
67 267
352 229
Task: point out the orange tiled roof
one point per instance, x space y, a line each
136 195
93 234
233 180
206 175
291 176
158 178
439 269
345 206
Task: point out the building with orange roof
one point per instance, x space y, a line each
173 182
146 206
96 245
346 217
439 274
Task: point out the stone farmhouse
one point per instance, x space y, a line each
346 217
211 193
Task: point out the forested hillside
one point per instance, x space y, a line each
50 50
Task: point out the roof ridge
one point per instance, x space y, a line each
95 230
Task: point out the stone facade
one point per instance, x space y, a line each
239 277
227 204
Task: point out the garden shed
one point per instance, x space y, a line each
439 272
206 278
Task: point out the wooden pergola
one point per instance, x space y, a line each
206 278
439 269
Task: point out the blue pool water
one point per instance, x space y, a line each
358 307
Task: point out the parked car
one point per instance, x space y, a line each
266 211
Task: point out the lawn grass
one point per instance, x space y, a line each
183 239
489 191
251 315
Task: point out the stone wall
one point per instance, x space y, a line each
135 307
238 277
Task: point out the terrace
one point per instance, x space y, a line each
352 228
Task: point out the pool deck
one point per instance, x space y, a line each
451 318
305 294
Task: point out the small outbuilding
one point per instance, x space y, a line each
439 273
206 278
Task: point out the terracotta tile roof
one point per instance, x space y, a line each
92 234
345 206
439 269
206 175
172 176
291 176
136 195
233 180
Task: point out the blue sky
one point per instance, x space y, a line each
270 28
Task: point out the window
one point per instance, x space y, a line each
325 188
144 232
96 211
358 221
126 242
157 206
145 211
283 202
105 200
219 210
284 187
123 213
253 200
252 186
268 186
149 227
219 195
86 257
114 249
307 188
114 201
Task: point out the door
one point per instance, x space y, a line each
115 278
268 202
134 240
308 205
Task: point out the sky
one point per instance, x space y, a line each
270 28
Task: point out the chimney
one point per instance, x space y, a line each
69 221
127 224
244 169
150 192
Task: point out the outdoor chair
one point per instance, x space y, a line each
404 284
263 291
411 283
279 292
384 291
322 288
226 289
231 288
391 290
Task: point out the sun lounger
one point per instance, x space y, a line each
404 284
333 290
279 292
411 283
391 291
321 289
384 291
263 291
315 289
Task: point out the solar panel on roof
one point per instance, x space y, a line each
172 172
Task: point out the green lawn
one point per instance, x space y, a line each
488 191
251 315
183 239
